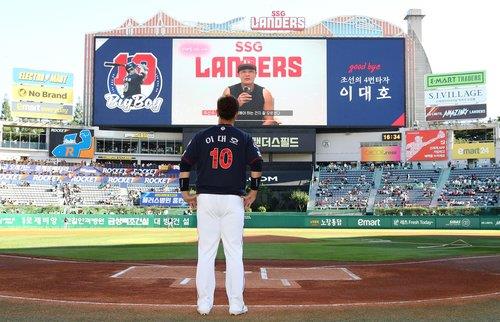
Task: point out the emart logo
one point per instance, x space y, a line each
465 222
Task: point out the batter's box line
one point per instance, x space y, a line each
351 274
264 276
120 273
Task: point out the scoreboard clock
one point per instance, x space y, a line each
394 136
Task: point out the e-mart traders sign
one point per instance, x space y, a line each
462 151
455 79
42 94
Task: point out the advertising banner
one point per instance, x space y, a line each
455 79
274 140
33 168
470 95
480 150
426 145
458 223
42 94
366 82
27 76
455 96
147 82
42 111
284 178
413 222
463 112
164 171
162 199
286 68
131 171
124 182
174 219
96 221
71 143
491 223
133 81
380 153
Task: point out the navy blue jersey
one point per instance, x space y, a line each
252 112
220 155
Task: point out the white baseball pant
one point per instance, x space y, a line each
220 216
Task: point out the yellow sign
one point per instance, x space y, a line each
116 157
42 111
140 135
462 151
42 94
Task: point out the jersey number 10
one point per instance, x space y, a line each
224 159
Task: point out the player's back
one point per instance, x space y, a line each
221 154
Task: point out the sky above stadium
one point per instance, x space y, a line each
49 35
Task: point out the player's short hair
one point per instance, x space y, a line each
227 107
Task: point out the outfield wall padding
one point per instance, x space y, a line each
281 220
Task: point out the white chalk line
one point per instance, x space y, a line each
351 274
41 259
464 297
327 266
122 272
412 262
185 281
285 282
381 241
315 267
263 273
71 261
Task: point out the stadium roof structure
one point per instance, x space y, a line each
162 24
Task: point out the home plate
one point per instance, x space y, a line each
252 280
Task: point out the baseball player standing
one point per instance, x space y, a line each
220 155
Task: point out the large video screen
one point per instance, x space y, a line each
426 145
71 143
154 82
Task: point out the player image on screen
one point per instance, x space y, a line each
220 154
418 144
256 103
133 80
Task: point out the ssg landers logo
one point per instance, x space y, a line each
134 83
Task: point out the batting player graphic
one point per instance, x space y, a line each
133 80
220 155
418 144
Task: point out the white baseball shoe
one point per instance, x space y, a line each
238 312
205 310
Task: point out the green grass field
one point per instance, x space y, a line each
317 244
